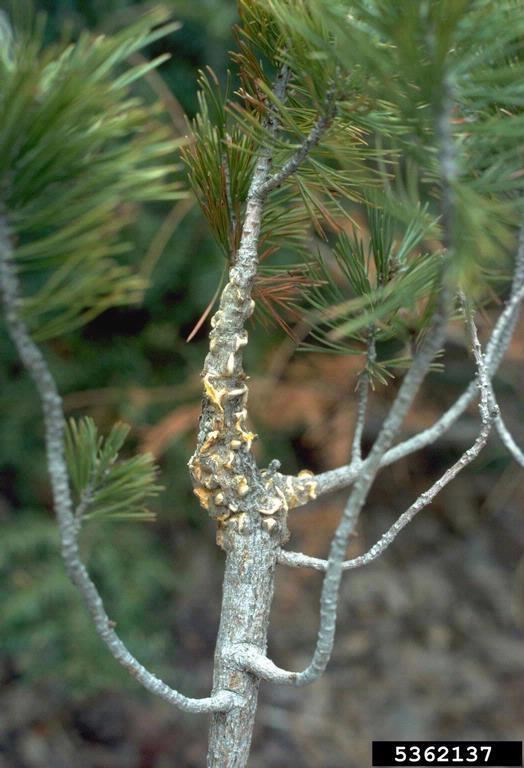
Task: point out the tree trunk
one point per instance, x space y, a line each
246 602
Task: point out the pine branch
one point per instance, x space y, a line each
342 477
363 391
105 485
489 414
393 422
509 441
51 402
249 509
299 560
293 164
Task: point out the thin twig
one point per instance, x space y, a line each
205 314
342 477
393 422
363 392
51 402
321 125
489 413
233 223
299 560
509 441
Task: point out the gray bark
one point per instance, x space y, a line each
246 603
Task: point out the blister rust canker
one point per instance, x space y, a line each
274 506
269 524
203 496
213 394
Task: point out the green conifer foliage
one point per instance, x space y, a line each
78 152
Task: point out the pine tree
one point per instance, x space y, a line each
409 114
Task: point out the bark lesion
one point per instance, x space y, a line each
226 478
227 481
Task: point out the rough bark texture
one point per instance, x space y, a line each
248 593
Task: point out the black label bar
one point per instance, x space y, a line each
448 754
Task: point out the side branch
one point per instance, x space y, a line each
489 413
293 164
509 441
51 402
433 341
363 392
406 394
342 477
